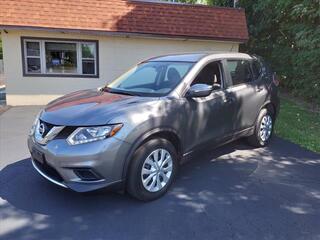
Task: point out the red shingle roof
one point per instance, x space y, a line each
120 16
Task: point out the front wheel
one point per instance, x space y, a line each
152 169
263 129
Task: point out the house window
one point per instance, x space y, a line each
33 64
55 57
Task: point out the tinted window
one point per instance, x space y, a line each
256 69
209 75
240 71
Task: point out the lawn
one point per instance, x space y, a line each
299 125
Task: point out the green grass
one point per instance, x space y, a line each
298 125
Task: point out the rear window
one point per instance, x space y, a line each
256 69
240 71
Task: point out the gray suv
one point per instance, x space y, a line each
135 131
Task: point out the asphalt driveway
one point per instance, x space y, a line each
233 192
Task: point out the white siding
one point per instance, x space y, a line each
116 55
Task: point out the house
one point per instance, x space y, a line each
55 47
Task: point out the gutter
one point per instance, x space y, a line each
123 34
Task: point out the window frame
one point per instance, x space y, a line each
25 59
221 70
256 78
42 57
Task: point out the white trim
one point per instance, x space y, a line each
79 57
43 57
94 57
26 57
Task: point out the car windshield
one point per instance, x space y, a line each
150 79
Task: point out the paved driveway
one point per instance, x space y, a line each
233 192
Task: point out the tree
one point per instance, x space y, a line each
287 34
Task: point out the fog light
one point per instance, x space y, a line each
87 174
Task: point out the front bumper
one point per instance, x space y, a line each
61 163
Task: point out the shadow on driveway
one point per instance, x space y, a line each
234 192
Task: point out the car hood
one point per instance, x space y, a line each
89 107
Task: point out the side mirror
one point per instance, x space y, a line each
199 90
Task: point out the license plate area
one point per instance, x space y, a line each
37 155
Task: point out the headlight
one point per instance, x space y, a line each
90 134
33 127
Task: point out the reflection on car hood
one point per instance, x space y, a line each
89 107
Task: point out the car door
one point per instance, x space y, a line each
247 92
209 118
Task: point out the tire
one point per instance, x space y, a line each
257 139
160 179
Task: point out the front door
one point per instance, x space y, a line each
247 92
209 118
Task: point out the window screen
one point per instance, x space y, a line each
32 58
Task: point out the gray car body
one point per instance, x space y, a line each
189 123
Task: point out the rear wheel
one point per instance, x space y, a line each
263 129
152 170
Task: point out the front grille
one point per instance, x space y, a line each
65 133
49 171
47 126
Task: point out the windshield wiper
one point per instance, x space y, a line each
118 91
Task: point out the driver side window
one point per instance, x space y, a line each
210 75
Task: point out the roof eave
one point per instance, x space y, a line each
123 34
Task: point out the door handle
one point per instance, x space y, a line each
229 100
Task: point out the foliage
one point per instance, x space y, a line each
299 125
287 34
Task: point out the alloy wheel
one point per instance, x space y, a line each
265 128
156 170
